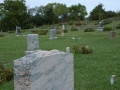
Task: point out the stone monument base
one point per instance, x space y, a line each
30 52
100 29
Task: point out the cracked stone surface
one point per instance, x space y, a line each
44 70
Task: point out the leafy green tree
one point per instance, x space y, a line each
49 14
111 14
14 12
98 13
74 10
61 10
118 13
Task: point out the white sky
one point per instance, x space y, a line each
113 5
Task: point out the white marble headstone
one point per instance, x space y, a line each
32 43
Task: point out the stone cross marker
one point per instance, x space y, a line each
44 70
32 43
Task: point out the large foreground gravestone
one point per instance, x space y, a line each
32 43
44 70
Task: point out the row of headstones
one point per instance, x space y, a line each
101 27
43 70
53 32
18 30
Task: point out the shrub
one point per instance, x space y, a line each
86 50
34 31
82 50
89 30
70 23
96 23
23 31
77 49
42 32
58 32
107 22
107 29
2 35
74 29
118 26
65 31
5 74
78 23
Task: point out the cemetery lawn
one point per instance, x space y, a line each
91 71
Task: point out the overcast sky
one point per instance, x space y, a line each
113 5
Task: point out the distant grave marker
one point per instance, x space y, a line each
18 30
52 34
100 26
112 34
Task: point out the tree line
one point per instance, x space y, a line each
15 13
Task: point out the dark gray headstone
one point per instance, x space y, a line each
18 29
1 31
100 26
112 34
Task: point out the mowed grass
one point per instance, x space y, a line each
91 72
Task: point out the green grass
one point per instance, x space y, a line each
91 72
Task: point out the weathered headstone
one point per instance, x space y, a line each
32 43
52 34
18 30
1 31
112 34
44 70
100 26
